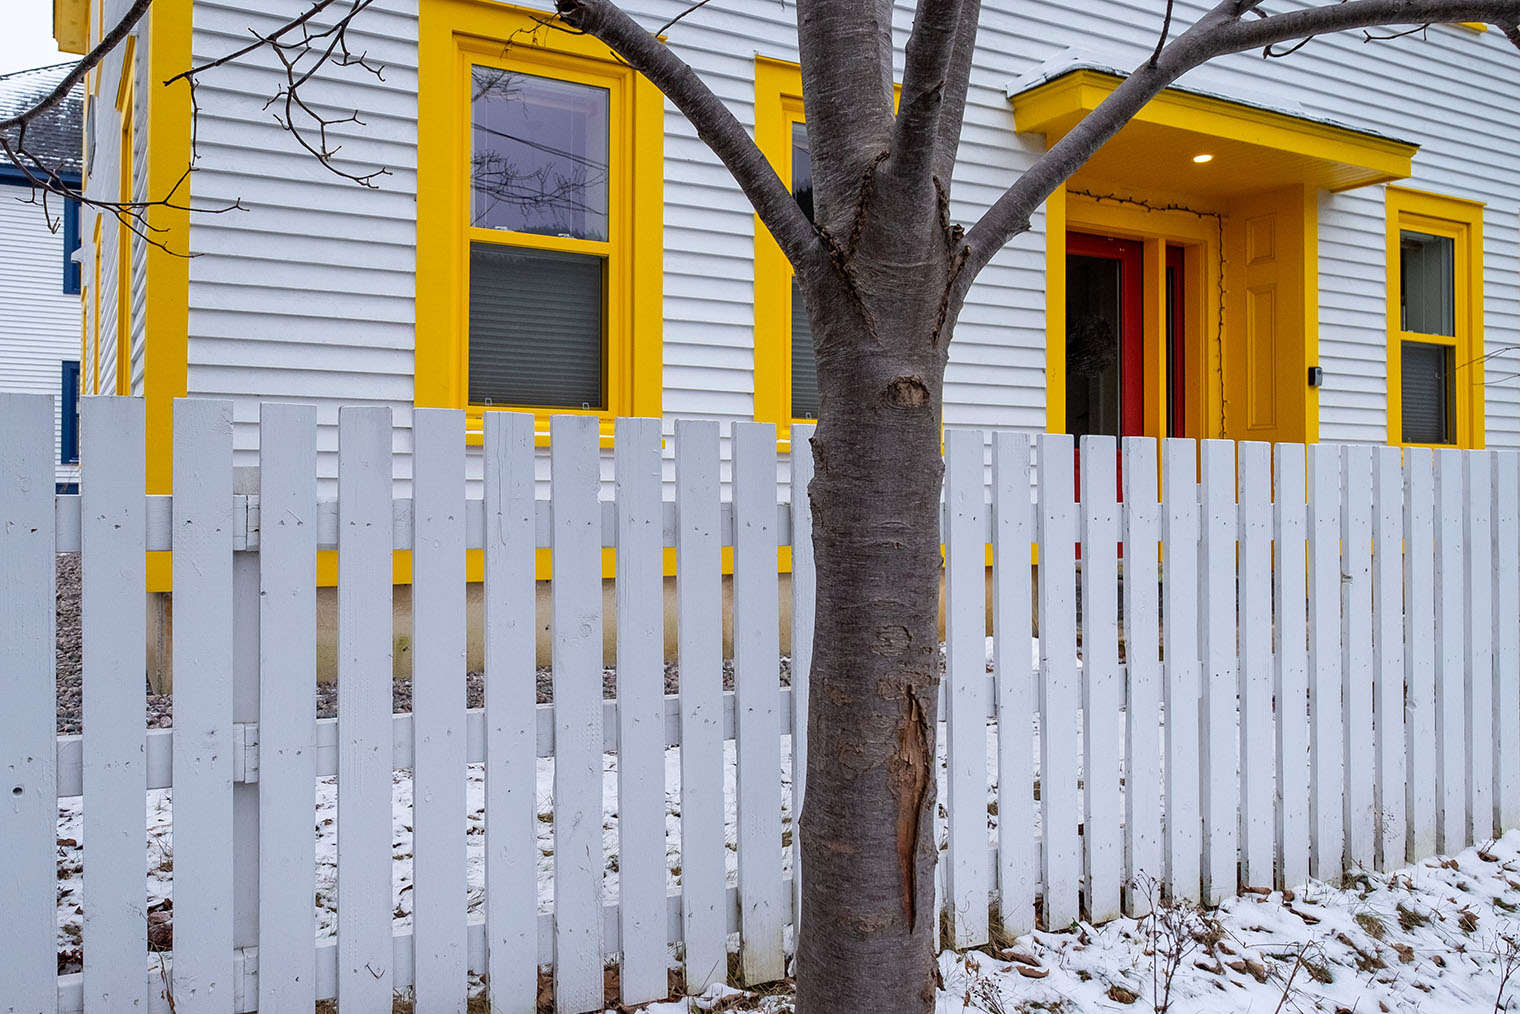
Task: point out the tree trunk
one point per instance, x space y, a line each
867 940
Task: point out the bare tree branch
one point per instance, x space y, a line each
1219 32
929 54
302 49
715 125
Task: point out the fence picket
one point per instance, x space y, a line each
1012 622
966 878
202 569
438 703
511 726
1257 730
1182 667
1478 562
1058 682
1356 652
1388 656
287 705
1291 667
641 712
1326 774
574 476
1142 702
1102 729
757 703
1451 655
364 708
1419 651
804 596
1506 619
1219 650
699 591
114 620
27 755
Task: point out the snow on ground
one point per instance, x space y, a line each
1431 939
1438 937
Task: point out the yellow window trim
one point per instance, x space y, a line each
84 385
778 107
1462 220
454 35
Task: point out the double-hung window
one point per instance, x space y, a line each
539 206
1435 320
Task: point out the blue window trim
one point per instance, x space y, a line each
9 174
68 450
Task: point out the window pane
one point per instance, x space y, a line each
1427 394
1427 276
535 328
802 169
1092 345
538 161
804 365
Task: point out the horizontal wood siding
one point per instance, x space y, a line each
309 294
39 325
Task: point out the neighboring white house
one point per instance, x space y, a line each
1338 270
39 277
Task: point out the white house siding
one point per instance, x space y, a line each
309 294
39 324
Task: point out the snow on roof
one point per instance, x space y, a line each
54 137
1209 80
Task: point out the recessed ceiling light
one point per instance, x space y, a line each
1200 159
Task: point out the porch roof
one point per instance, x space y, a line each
1257 143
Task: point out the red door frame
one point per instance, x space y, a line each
1131 257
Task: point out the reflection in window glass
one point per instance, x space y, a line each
1428 283
1092 345
804 365
1426 393
538 157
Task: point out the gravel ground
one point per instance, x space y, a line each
160 707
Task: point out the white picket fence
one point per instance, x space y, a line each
1316 667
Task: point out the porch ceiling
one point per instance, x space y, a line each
1253 148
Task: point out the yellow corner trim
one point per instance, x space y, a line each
71 25
1056 106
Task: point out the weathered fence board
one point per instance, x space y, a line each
1102 698
365 951
202 568
511 726
757 703
1257 728
1478 631
1059 682
1506 620
699 592
1388 657
1451 658
113 614
1219 773
1419 651
641 712
577 592
27 592
1142 702
804 593
438 667
1179 537
1291 669
287 707
1012 621
966 874
1356 652
1326 762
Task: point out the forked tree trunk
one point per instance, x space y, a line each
867 939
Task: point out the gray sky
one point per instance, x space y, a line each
27 40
